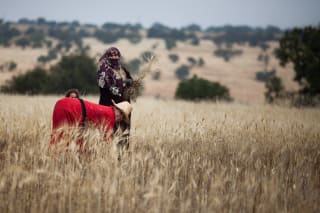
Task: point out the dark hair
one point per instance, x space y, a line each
76 91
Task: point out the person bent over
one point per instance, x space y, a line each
73 112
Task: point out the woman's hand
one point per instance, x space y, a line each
128 82
136 84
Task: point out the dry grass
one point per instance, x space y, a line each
184 157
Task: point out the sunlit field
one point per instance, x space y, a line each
183 157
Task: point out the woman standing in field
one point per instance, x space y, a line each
113 79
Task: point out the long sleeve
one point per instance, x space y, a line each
111 84
105 77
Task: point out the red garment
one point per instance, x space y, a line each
68 111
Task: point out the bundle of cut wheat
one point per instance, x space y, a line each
133 91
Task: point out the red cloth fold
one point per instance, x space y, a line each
68 111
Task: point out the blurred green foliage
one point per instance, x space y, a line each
202 89
301 47
74 71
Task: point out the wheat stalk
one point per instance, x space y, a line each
183 157
133 91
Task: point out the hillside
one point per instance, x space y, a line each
238 74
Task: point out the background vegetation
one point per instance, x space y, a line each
74 71
68 33
302 48
297 46
201 89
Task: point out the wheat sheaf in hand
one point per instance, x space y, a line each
132 91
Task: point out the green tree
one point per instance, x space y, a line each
264 75
170 44
147 55
195 41
52 54
33 82
264 46
22 42
202 89
156 75
75 71
227 54
192 28
265 58
7 33
12 66
134 66
302 48
182 72
274 88
173 57
192 61
201 62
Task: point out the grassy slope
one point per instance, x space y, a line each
238 74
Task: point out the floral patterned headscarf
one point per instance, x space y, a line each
112 57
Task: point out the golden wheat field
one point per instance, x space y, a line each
183 157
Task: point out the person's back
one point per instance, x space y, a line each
69 111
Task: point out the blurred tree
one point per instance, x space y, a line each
22 42
170 44
182 72
74 71
227 54
156 75
201 62
192 28
147 55
12 66
134 66
302 48
173 57
192 61
274 88
41 21
244 34
33 82
264 46
201 89
265 76
52 54
158 30
195 41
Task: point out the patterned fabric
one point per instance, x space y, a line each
112 57
112 83
108 77
113 79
